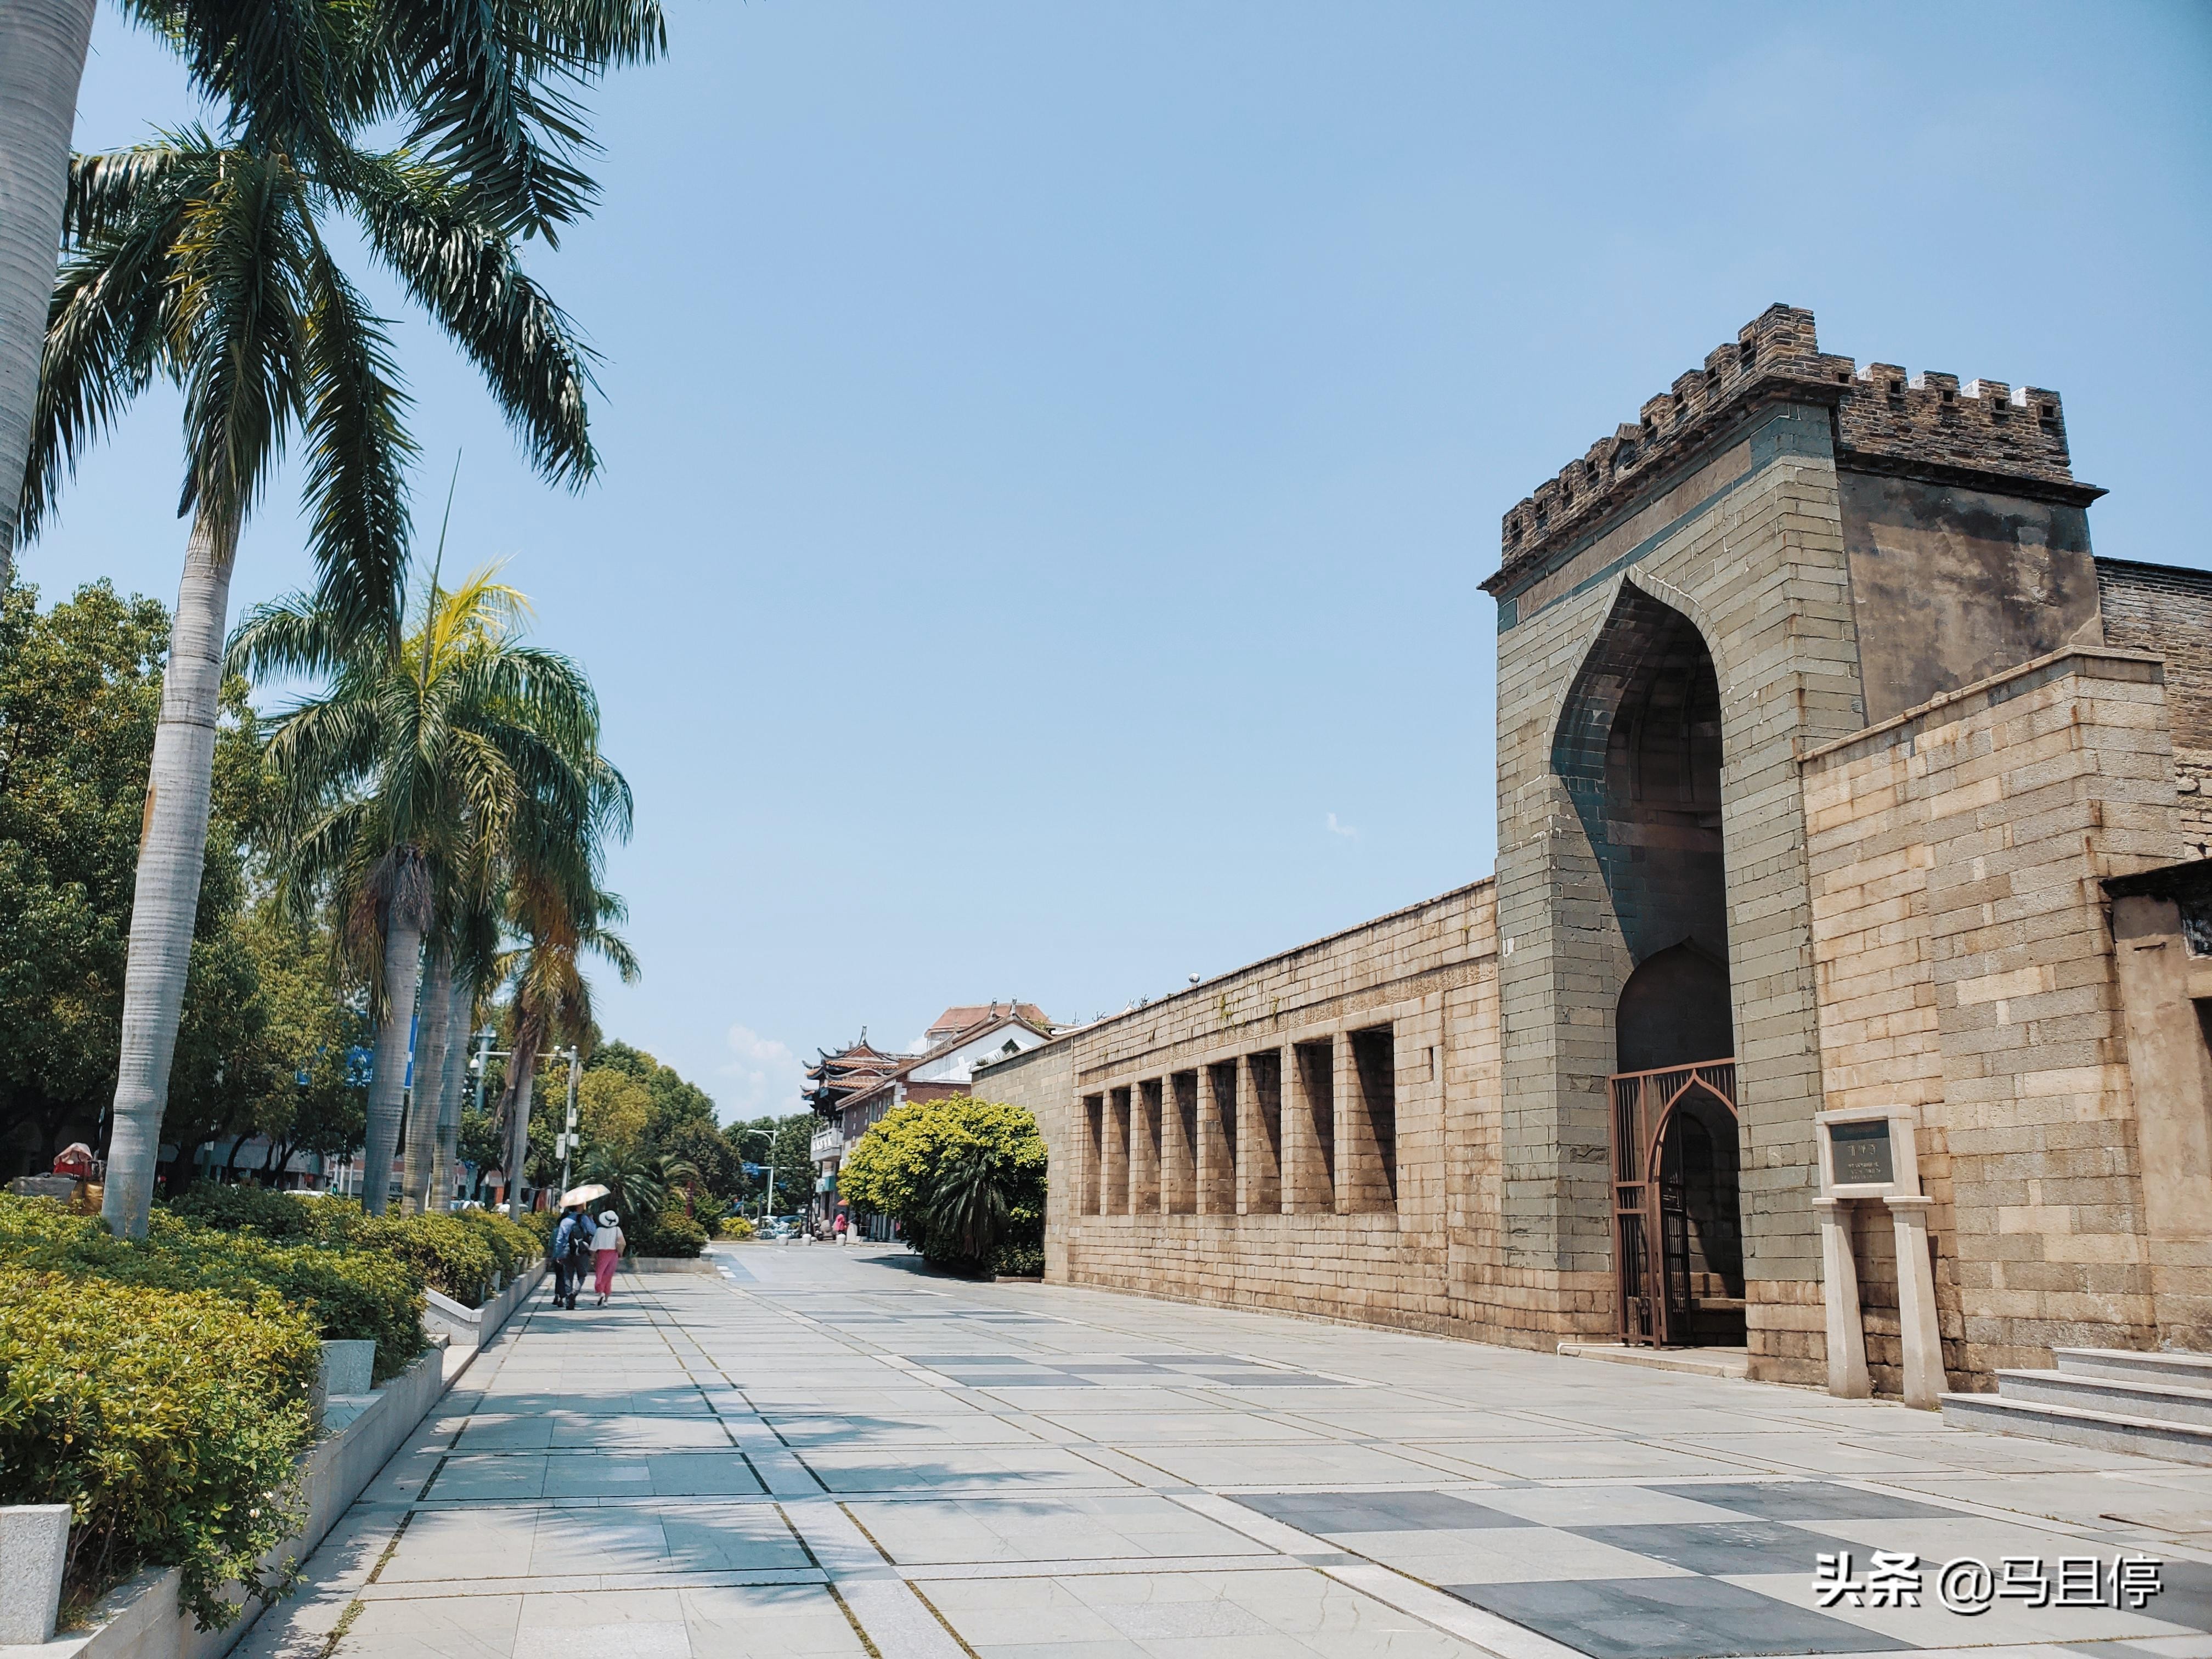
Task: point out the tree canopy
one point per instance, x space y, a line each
80 691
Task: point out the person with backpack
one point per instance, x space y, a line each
570 1251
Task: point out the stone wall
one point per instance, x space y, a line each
1965 970
2156 608
1307 1208
1917 723
1751 551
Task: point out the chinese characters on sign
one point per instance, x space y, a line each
1861 1153
1969 1586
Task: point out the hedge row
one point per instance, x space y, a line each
457 1255
344 1292
170 1420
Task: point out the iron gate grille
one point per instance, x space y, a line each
1650 1261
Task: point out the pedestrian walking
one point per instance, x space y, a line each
607 1249
839 1228
570 1249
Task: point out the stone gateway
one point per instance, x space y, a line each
1851 899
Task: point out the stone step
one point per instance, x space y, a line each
2192 1369
1699 1362
2169 1402
2145 1437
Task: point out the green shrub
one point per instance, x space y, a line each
170 1421
735 1226
455 1254
917 1155
540 1224
348 1291
451 1257
269 1213
915 1160
1019 1260
670 1233
513 1247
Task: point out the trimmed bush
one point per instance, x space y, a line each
916 1161
670 1233
169 1420
450 1256
1019 1260
513 1247
349 1292
270 1213
735 1226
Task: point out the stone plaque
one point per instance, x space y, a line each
1860 1153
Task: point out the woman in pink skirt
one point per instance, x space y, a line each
608 1246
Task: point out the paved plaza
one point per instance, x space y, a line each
825 1451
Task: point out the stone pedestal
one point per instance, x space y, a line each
1916 1303
1847 1360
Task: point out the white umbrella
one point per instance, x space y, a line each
582 1195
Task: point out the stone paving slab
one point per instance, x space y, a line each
821 1451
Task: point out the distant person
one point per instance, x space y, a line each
570 1249
839 1228
607 1249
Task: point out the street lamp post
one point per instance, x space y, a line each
568 1134
767 1202
519 1133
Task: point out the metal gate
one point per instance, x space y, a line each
1650 1255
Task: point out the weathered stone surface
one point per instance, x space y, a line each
1936 723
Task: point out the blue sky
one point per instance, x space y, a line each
1052 449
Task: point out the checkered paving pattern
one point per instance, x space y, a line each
1686 1572
821 1451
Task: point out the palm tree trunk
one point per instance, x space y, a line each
460 1004
402 972
171 847
42 50
420 1183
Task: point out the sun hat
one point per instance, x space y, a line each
608 1218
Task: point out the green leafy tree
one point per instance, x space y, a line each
308 1102
479 1143
675 1103
701 1146
80 696
613 1109
785 1143
964 1177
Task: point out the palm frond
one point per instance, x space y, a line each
358 451
238 330
466 273
110 325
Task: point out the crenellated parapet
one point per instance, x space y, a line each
1884 420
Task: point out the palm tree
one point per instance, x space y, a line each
968 1205
638 1182
484 90
404 782
42 48
206 262
561 915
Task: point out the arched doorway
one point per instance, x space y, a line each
1638 747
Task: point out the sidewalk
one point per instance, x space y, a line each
825 1451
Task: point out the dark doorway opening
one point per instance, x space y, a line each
1638 747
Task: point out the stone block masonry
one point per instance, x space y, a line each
1819 732
2156 608
1964 971
1338 1106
